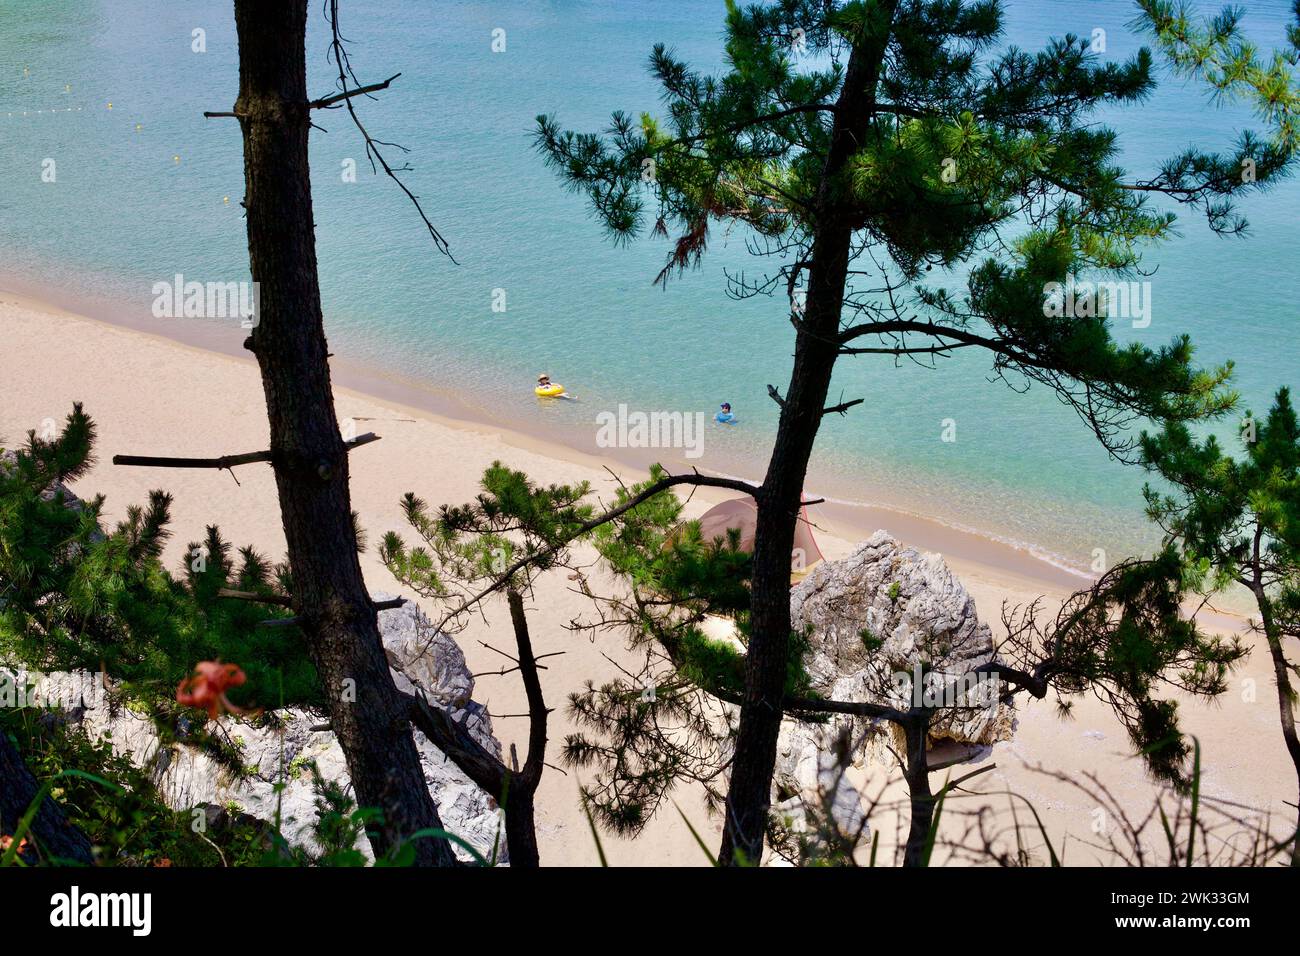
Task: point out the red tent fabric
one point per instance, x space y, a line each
742 514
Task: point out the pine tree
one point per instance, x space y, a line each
1238 522
1125 640
308 452
499 543
77 595
891 141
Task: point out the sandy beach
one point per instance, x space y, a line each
152 394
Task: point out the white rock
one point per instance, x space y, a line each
918 612
277 748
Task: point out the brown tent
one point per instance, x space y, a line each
741 514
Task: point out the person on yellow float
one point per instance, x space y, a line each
546 388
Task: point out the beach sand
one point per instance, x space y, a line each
151 394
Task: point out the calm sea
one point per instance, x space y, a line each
147 189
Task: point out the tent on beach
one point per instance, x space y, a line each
742 514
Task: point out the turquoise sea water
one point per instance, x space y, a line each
133 206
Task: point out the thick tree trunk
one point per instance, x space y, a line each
780 497
308 454
521 833
919 793
749 796
51 833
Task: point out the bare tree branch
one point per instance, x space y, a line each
346 94
225 462
330 102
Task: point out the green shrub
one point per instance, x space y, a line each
75 596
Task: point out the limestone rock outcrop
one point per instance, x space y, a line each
872 620
278 747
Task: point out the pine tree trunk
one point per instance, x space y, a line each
51 832
749 794
515 789
309 457
1285 696
521 832
521 787
780 497
918 789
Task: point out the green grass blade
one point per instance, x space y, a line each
713 860
436 834
1051 850
931 836
595 834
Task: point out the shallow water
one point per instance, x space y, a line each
148 189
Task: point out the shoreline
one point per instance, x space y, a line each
150 394
966 549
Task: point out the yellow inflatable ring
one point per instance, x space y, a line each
549 391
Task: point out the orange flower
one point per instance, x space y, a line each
206 689
7 841
162 861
